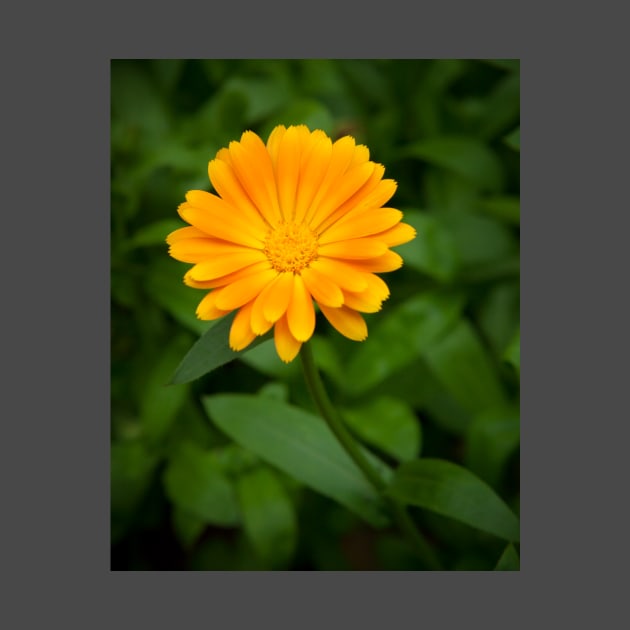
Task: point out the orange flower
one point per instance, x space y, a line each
296 221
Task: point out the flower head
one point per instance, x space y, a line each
296 222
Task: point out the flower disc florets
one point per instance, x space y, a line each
291 247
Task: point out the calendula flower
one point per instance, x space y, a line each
296 222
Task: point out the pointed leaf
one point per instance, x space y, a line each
300 444
211 351
509 560
451 490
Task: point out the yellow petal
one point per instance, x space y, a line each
322 288
356 201
381 194
377 289
191 250
227 263
366 200
369 300
227 279
220 220
301 314
399 234
389 261
207 308
184 233
287 171
273 143
314 166
242 291
361 155
224 155
357 303
195 250
341 274
348 322
287 346
345 186
277 298
241 334
253 167
228 186
259 324
366 224
340 158
360 248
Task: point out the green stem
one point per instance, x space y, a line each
336 425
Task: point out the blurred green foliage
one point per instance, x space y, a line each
233 471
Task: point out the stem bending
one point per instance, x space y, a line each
336 425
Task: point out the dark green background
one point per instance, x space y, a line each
438 376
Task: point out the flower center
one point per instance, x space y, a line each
291 247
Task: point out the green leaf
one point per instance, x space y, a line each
462 155
503 208
416 385
187 527
388 424
232 459
492 437
461 363
301 445
194 483
160 403
513 352
509 560
211 351
268 517
450 490
433 251
398 337
501 108
447 192
498 315
513 139
479 239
